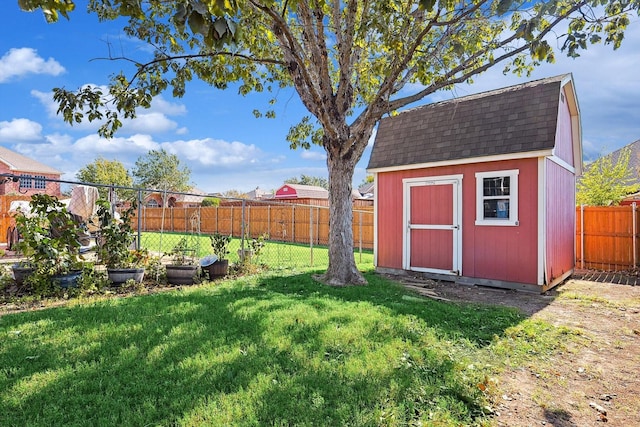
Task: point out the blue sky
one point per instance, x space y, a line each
214 132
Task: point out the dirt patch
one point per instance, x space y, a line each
593 382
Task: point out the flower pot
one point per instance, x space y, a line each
68 280
118 276
218 269
20 273
181 274
245 253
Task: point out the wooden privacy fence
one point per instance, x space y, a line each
7 222
607 237
303 224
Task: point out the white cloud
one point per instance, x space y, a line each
121 146
313 155
204 153
159 104
20 130
22 61
151 120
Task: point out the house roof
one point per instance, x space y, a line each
634 159
367 188
259 193
194 195
515 119
19 163
302 192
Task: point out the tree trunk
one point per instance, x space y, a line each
342 269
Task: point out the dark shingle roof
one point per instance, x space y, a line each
515 119
634 160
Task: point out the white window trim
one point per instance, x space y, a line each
513 198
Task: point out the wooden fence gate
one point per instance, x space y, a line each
607 237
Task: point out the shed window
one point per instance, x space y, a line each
497 198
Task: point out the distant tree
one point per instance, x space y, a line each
210 201
606 181
309 180
235 194
159 170
107 172
367 180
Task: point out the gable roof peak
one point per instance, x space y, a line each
520 119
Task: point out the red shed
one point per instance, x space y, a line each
481 189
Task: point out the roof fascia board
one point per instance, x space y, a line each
457 162
576 122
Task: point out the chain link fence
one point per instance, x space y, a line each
273 232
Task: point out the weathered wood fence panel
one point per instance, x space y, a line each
607 237
303 224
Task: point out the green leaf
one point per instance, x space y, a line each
503 7
198 25
220 25
427 4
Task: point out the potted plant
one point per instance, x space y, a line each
253 249
220 246
182 269
115 245
50 240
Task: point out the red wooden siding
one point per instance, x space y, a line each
508 253
389 220
564 131
489 252
560 221
287 192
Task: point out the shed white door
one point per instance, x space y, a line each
432 224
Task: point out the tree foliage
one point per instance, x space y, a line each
235 194
210 201
161 171
350 61
309 180
607 180
107 172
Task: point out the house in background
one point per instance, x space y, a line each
33 175
481 189
191 199
303 194
634 167
259 194
315 195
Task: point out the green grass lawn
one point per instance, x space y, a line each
271 350
274 254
